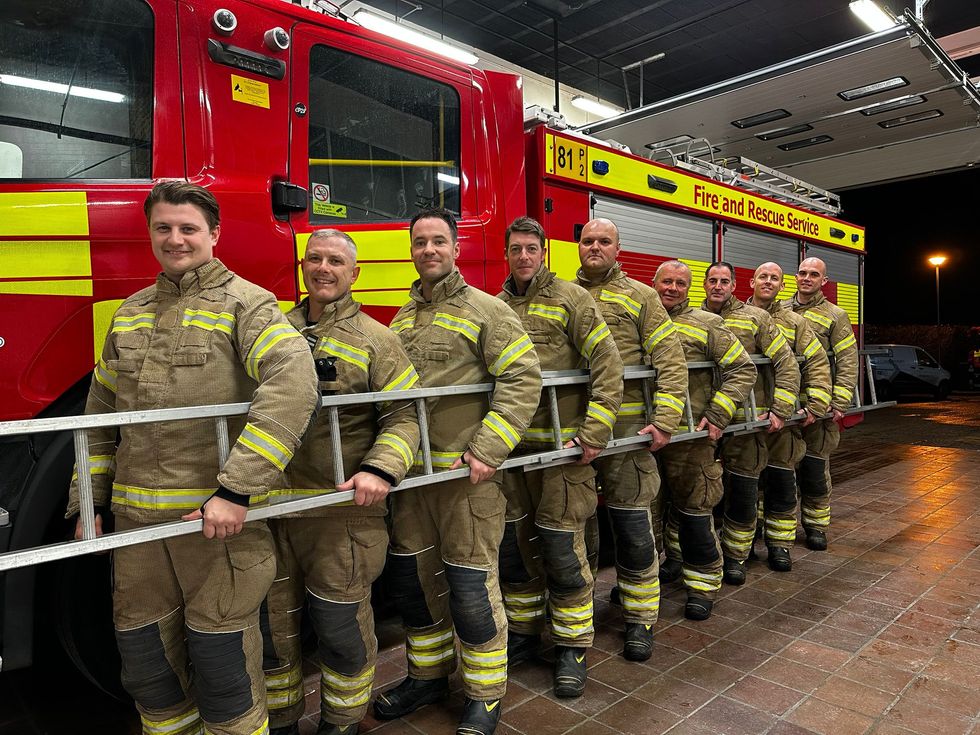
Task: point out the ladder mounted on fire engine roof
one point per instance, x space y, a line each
747 174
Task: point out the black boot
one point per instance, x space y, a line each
779 560
327 728
639 642
698 608
479 718
409 696
733 571
615 598
570 672
816 540
521 647
292 729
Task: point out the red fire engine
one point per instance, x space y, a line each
297 121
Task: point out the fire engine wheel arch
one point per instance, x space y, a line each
71 598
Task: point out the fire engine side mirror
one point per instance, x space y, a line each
288 198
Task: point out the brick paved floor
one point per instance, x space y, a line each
879 634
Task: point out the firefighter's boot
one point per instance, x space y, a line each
570 672
816 540
698 608
733 571
814 480
670 570
521 647
779 559
327 728
409 696
479 718
292 729
639 642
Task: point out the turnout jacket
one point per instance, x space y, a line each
381 438
214 338
568 332
464 336
833 328
704 336
778 384
644 335
815 381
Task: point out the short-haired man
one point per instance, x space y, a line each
833 328
776 390
689 469
331 556
200 335
644 335
544 541
786 448
445 539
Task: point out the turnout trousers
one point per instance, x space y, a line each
694 487
188 601
786 449
329 563
813 473
744 457
630 484
543 558
442 576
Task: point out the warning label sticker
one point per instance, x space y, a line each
249 91
322 204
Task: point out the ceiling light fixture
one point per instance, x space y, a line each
872 15
805 143
761 118
422 40
876 88
783 132
912 99
896 122
88 93
596 108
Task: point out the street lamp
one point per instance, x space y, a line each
936 261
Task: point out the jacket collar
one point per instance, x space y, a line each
772 308
210 275
343 308
612 274
732 304
679 308
452 284
539 280
818 298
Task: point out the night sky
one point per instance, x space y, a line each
906 223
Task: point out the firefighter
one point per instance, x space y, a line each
776 390
786 447
833 329
552 506
445 539
337 551
630 483
200 335
690 471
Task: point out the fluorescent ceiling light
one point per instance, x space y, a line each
912 99
93 94
871 15
447 179
906 119
876 88
761 118
596 108
805 143
422 40
783 132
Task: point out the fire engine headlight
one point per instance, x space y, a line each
224 21
276 39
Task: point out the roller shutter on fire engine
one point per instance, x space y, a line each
748 249
651 235
843 269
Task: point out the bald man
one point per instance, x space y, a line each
833 328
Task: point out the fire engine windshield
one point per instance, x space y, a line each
75 89
383 142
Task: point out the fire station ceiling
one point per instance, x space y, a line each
706 42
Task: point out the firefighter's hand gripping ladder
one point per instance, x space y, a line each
79 425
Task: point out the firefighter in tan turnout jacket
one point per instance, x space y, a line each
786 447
776 389
445 539
689 469
330 556
200 335
644 335
552 506
833 328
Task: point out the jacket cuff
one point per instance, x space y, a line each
379 473
230 495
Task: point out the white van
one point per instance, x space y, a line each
902 369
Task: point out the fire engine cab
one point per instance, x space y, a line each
296 120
